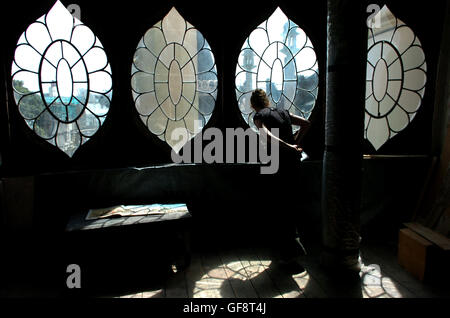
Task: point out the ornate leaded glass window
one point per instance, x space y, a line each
396 78
278 57
61 79
174 79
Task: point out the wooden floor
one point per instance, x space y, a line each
251 273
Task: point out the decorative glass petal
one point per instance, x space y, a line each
61 79
174 80
279 58
396 77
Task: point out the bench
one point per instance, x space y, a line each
128 247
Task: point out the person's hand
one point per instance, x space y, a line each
296 148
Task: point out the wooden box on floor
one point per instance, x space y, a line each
421 256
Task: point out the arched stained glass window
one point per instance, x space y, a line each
279 58
61 79
174 79
396 78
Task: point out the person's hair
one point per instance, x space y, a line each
259 99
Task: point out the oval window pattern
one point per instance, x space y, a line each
396 78
61 79
279 58
174 80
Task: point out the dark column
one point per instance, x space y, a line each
344 132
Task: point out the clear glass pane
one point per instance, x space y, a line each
80 91
64 80
389 54
205 61
193 41
70 53
414 79
161 73
396 70
308 80
167 55
146 104
194 121
304 101
45 125
26 82
289 90
258 41
79 72
403 38
205 103
68 138
181 55
264 73
59 110
88 124
142 82
100 82
290 72
414 57
374 54
244 104
189 91
162 92
380 80
386 105
38 37
95 59
182 109
372 106
305 59
74 110
98 104
271 54
59 22
410 101
154 40
27 58
245 82
174 27
188 72
248 60
157 122
144 60
31 106
277 26
168 109
207 82
83 38
296 40
398 119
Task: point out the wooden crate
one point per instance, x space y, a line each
423 253
413 251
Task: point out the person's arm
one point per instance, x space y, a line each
260 125
304 126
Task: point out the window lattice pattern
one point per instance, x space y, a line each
61 79
396 78
174 79
279 58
